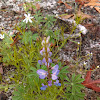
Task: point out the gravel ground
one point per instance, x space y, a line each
11 12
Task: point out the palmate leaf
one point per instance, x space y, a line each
79 81
67 79
60 65
77 77
74 86
63 70
62 76
73 77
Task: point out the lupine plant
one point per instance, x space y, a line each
45 52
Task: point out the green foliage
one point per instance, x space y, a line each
74 87
31 92
49 21
5 47
63 71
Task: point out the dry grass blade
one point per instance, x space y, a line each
1 70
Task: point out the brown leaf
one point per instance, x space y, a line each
82 2
82 15
60 1
94 3
78 14
91 83
97 9
67 6
66 16
37 6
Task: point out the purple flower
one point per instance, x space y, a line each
42 73
57 83
49 60
44 60
54 77
45 63
55 72
43 87
40 62
42 51
55 67
50 54
50 83
48 49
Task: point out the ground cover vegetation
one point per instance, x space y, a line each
39 73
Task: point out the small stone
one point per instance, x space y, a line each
3 7
3 96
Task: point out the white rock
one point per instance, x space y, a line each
82 29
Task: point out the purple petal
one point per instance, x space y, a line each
54 77
48 49
46 64
57 83
49 60
42 76
50 54
50 83
56 72
55 67
41 52
42 73
43 87
44 60
40 62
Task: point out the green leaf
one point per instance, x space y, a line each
67 79
80 95
77 89
73 77
30 74
75 97
62 76
73 89
77 77
38 66
79 85
35 36
79 80
71 97
52 64
16 98
44 67
33 68
68 95
60 65
68 88
63 70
